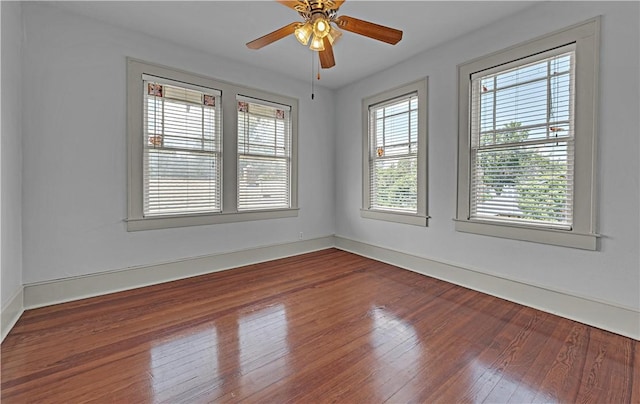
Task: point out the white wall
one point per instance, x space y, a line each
611 274
75 152
11 152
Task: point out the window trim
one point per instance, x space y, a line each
586 36
156 151
420 218
287 137
135 218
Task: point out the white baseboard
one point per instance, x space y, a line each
79 287
11 313
604 315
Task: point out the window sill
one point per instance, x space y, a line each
166 222
397 217
564 238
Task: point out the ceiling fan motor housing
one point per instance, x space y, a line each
315 9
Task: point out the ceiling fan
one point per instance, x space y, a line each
322 26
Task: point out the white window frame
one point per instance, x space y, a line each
420 218
285 148
160 143
136 220
586 37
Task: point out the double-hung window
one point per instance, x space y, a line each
203 151
182 153
394 161
264 154
522 142
527 139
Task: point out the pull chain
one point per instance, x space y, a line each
312 81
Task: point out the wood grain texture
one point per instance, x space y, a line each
327 59
328 326
369 29
273 36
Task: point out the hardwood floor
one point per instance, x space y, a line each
327 326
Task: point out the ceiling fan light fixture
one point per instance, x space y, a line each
321 27
317 44
334 35
303 33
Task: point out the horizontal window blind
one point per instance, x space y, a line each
264 155
182 160
522 142
393 154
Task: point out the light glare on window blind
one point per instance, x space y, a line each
182 158
393 151
264 155
522 143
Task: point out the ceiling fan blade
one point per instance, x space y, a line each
273 36
338 3
369 29
293 3
326 56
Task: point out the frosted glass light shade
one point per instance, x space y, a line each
303 33
321 27
317 44
334 35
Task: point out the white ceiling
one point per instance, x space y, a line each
223 27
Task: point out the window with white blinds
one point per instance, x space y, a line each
187 166
182 148
264 154
527 136
393 154
522 141
394 172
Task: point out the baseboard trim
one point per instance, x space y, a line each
608 316
605 315
80 287
10 314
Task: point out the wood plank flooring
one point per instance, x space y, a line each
328 326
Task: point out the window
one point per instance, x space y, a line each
522 142
189 166
526 141
181 164
264 155
395 154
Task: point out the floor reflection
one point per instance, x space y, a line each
395 345
263 348
494 384
184 364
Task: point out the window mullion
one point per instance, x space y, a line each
202 127
384 129
409 126
549 99
493 116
